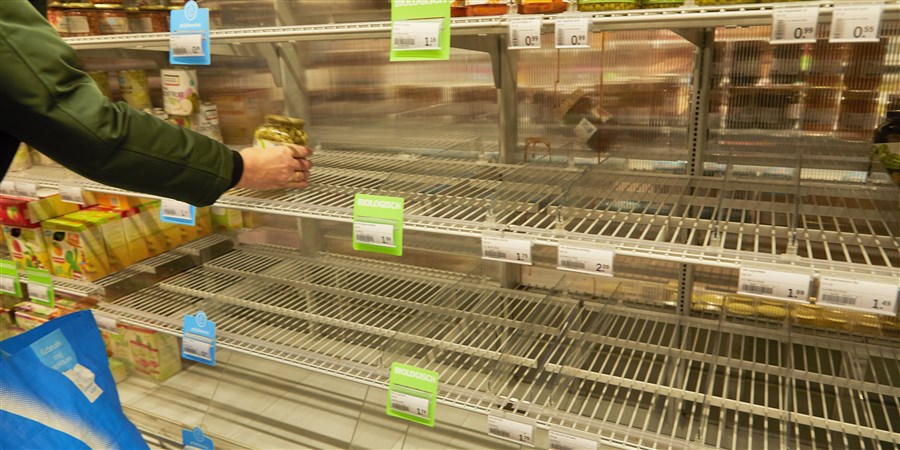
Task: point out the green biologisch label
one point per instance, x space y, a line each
9 279
378 224
412 394
40 287
420 30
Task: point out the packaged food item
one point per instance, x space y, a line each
857 117
865 65
56 15
154 18
723 2
76 249
647 4
120 200
542 6
153 354
786 61
80 19
101 78
206 122
135 21
280 130
98 3
821 110
458 8
27 212
886 145
180 121
151 227
607 5
181 93
111 18
22 159
226 219
27 247
112 233
486 7
118 369
131 226
134 88
826 63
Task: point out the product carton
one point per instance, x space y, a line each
76 249
151 226
27 212
154 354
27 247
110 225
226 219
133 229
121 201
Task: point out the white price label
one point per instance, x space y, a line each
863 296
38 292
508 250
416 35
374 234
106 323
197 347
772 283
186 44
8 188
175 209
409 404
510 430
562 441
8 285
572 33
856 23
525 33
26 190
794 24
585 260
585 129
71 194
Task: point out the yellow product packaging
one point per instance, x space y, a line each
133 229
120 200
226 219
110 225
174 235
153 354
27 247
204 223
76 249
116 343
151 226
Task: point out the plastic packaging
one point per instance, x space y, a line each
81 20
542 6
278 130
181 91
111 18
134 88
102 80
486 7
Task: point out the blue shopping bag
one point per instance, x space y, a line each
56 390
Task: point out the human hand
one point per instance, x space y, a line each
275 167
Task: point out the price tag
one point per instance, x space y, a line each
516 251
572 33
378 234
9 279
40 287
863 296
856 23
416 35
585 260
71 194
196 440
794 24
525 33
26 190
410 404
173 211
198 341
8 188
562 441
772 283
107 323
186 44
510 430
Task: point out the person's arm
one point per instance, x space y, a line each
55 107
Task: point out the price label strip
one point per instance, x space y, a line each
517 251
562 441
856 23
378 224
181 213
107 323
525 33
186 44
585 260
511 430
857 295
412 394
8 188
40 287
9 279
27 190
198 341
774 284
189 38
72 194
794 24
572 33
416 35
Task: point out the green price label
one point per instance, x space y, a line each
420 30
378 224
9 279
40 287
412 394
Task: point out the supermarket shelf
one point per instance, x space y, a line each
599 368
686 17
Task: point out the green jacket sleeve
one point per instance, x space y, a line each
55 107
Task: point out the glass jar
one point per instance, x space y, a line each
280 130
458 8
486 7
865 65
112 18
154 19
56 15
723 2
81 20
856 119
135 24
886 145
107 2
786 61
826 61
821 109
649 4
607 5
542 6
745 68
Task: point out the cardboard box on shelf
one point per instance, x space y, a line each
113 233
226 219
27 247
76 248
27 212
151 226
153 354
121 201
131 226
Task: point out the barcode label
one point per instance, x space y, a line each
594 261
173 211
365 238
378 234
572 264
495 254
511 430
499 432
516 251
858 295
837 28
563 441
410 404
404 41
754 289
186 44
525 33
828 298
416 35
197 348
780 28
